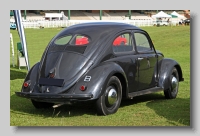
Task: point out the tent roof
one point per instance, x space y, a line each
161 14
176 14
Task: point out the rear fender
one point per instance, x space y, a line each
165 67
96 79
32 76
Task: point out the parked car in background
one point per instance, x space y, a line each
13 25
120 40
186 21
160 23
82 40
98 71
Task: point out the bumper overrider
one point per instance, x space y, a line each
54 97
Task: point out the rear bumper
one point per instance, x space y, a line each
54 97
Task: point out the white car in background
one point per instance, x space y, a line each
160 23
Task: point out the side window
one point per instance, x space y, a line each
142 43
63 40
122 43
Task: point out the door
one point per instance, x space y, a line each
147 61
125 56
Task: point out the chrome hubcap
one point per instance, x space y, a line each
174 83
112 96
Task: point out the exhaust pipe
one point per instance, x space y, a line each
60 104
57 105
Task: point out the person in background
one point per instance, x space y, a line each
181 22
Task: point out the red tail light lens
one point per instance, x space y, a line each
83 88
26 84
52 75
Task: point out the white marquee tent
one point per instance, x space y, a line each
176 14
161 14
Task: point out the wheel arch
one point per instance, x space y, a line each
123 83
180 74
165 67
32 76
99 78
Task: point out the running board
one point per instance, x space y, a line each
147 91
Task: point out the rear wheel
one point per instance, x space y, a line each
41 105
172 91
110 100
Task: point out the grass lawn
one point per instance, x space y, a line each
148 110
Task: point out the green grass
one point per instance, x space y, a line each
147 110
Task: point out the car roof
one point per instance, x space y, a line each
97 28
108 24
99 33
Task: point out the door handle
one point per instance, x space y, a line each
148 64
140 58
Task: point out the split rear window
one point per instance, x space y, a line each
63 40
77 40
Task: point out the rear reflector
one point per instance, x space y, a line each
83 88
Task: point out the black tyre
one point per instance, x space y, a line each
172 91
41 105
110 100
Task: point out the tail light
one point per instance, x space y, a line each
27 84
51 75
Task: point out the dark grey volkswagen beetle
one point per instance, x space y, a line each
101 62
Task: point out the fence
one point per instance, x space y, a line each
66 23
